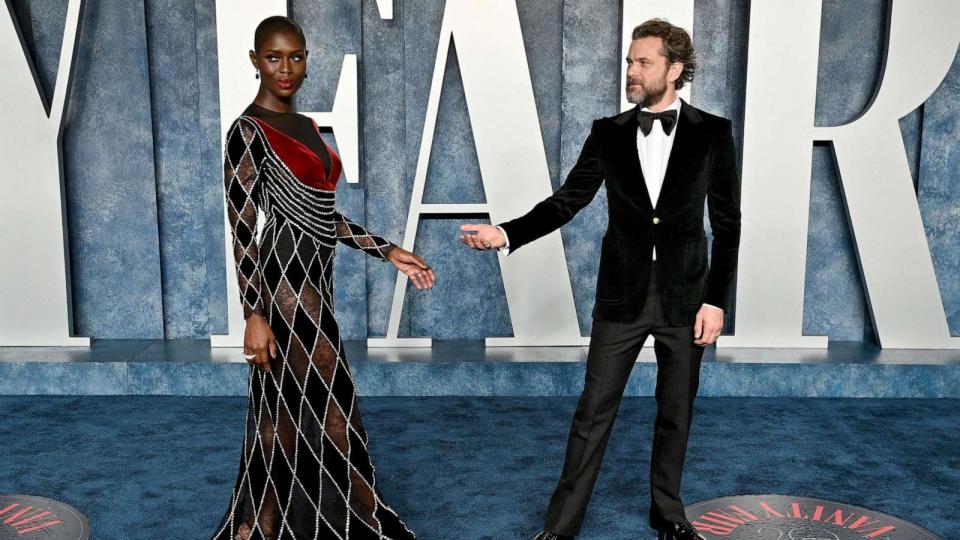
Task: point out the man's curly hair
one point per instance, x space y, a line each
677 46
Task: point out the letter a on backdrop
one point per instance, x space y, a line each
513 165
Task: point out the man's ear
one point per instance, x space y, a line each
673 73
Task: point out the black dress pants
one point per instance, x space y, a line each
613 351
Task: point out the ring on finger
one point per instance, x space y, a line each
249 357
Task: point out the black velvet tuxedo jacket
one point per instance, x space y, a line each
702 166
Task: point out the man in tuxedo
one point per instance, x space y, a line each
659 161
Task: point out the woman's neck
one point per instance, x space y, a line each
273 103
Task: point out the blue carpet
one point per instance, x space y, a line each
162 467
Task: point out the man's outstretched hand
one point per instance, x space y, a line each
482 237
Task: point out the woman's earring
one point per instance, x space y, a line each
257 74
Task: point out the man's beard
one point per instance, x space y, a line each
645 97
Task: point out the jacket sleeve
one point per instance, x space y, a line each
723 206
577 191
241 175
355 236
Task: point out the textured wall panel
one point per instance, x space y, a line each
42 26
177 139
210 174
109 169
939 189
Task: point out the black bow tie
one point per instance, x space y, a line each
667 119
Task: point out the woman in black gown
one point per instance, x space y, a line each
304 470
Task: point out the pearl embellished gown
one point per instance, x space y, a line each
305 472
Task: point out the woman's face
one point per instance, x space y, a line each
282 61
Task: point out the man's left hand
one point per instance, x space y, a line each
708 326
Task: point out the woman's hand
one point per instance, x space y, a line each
259 340
413 266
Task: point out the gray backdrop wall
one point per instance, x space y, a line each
142 158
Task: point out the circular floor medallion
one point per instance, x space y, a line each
783 517
25 517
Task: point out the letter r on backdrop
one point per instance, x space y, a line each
779 132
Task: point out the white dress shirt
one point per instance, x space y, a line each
654 151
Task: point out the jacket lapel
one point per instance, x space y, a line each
627 141
685 145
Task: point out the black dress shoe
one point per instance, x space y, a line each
679 530
544 535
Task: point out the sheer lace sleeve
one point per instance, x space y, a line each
241 169
357 237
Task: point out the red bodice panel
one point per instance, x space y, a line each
303 162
